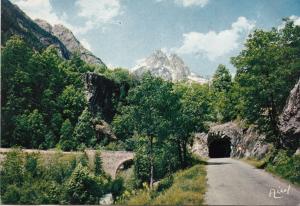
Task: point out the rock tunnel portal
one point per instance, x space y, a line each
219 148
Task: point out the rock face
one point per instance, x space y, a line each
290 119
101 93
70 41
169 67
246 143
39 34
15 22
252 145
199 146
103 130
107 200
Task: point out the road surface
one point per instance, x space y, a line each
233 182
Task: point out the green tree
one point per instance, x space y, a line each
222 79
14 56
30 130
267 69
42 81
190 116
15 85
84 131
83 188
66 136
223 95
73 102
150 110
98 164
12 171
31 164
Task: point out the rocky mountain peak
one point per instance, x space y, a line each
67 37
15 22
169 67
159 53
158 59
45 25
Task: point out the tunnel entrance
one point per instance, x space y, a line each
220 148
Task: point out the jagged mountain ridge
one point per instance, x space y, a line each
40 34
15 22
70 41
169 67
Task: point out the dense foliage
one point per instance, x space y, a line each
161 118
267 69
62 179
44 106
285 165
40 94
43 100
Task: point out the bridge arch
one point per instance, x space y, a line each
113 160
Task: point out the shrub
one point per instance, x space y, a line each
185 187
98 164
12 195
12 171
84 188
165 183
117 187
286 166
50 179
188 188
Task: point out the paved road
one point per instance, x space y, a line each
233 182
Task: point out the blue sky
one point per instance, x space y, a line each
204 33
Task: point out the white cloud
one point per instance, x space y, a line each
296 19
189 3
100 11
40 9
216 44
95 13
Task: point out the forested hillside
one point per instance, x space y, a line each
45 105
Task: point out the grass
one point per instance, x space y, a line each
254 162
280 163
286 166
188 188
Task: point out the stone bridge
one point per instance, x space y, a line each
111 160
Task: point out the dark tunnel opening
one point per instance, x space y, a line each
220 148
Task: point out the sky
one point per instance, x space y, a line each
204 33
